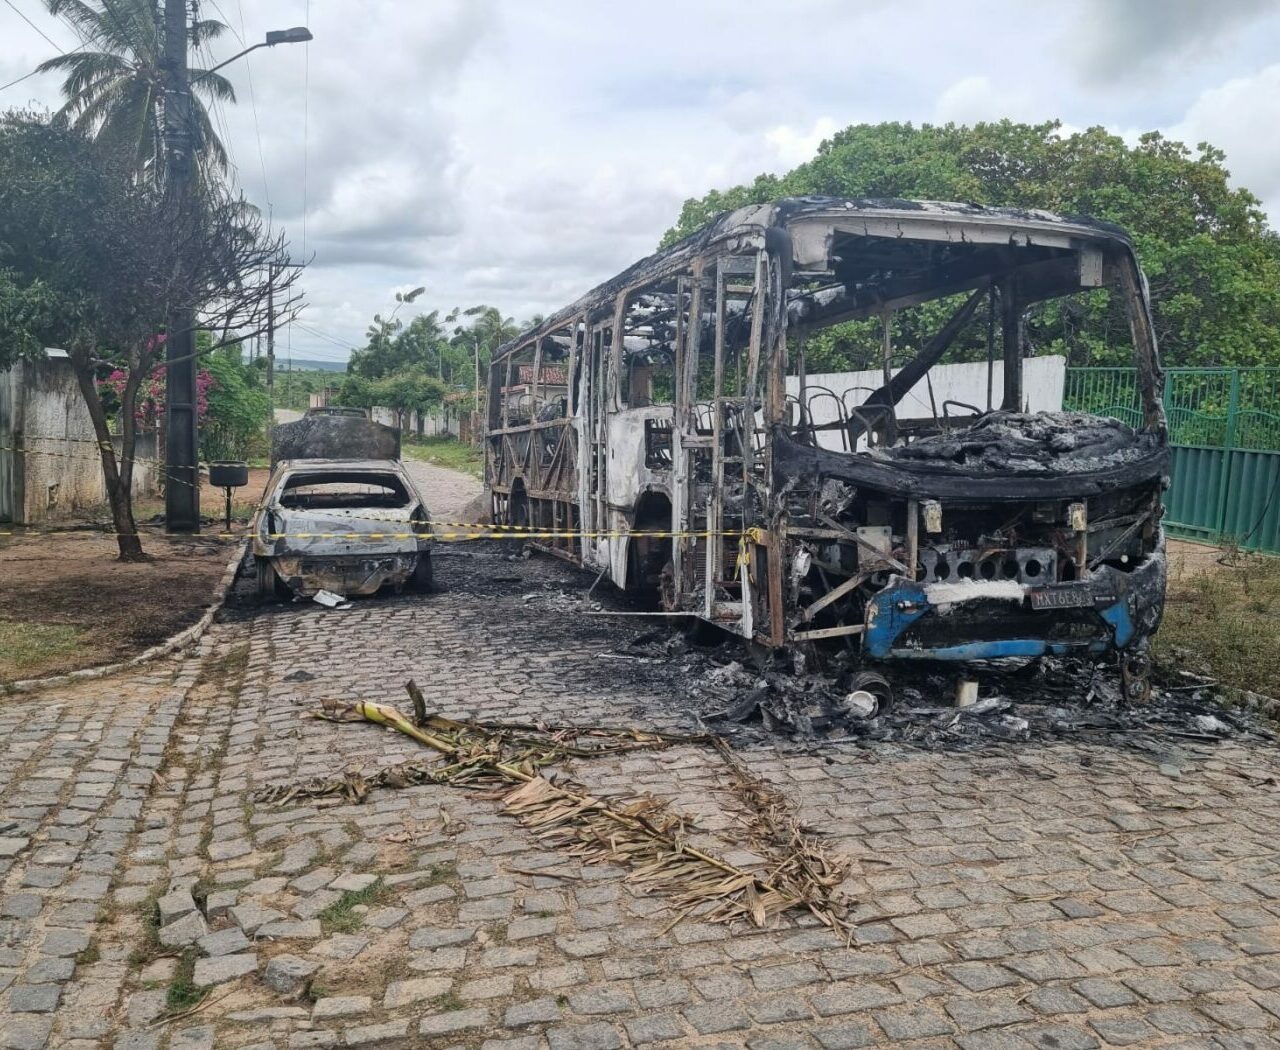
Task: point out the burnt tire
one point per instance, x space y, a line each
269 586
422 579
877 685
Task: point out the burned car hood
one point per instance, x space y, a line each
1004 456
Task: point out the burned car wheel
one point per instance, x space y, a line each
269 584
422 580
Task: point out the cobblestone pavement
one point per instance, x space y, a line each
1054 896
77 765
446 491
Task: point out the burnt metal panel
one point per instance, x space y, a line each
334 437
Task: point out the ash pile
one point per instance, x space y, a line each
1043 700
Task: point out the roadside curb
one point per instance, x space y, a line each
187 636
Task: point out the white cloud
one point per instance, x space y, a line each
976 98
1124 39
792 146
1240 117
520 153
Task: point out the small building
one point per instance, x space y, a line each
49 462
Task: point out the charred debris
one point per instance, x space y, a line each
1052 698
818 701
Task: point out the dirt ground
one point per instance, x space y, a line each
66 602
117 609
213 503
1190 559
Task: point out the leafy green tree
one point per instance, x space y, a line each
477 334
392 346
114 87
1211 259
95 260
239 407
356 391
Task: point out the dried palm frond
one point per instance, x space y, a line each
642 833
798 859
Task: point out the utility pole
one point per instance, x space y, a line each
271 327
475 408
182 486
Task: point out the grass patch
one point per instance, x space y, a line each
183 994
148 946
1225 622
445 871
340 916
313 992
445 452
449 1001
227 668
27 649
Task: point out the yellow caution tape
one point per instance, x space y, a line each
97 458
475 532
756 535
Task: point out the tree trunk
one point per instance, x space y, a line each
119 487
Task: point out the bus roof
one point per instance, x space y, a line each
789 212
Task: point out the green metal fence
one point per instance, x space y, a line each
1224 437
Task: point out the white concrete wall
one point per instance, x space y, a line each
439 422
60 471
1043 380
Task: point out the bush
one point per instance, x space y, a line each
239 409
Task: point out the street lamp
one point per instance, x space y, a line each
296 35
182 492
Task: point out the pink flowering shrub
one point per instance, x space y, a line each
149 409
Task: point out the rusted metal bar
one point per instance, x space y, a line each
1011 328
833 595
913 537
828 632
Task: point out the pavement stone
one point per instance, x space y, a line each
1059 896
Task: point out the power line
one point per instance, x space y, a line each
253 103
46 36
306 114
227 22
327 338
320 335
217 117
25 76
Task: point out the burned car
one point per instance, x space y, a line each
347 526
936 504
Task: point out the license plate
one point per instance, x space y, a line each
1069 596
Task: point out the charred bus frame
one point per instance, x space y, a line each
658 402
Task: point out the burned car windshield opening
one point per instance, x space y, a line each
334 490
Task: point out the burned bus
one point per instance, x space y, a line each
663 429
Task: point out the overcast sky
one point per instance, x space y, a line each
516 152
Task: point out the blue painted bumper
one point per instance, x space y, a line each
1127 607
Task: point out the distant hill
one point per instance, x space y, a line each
302 364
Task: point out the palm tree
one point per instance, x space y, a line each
115 84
